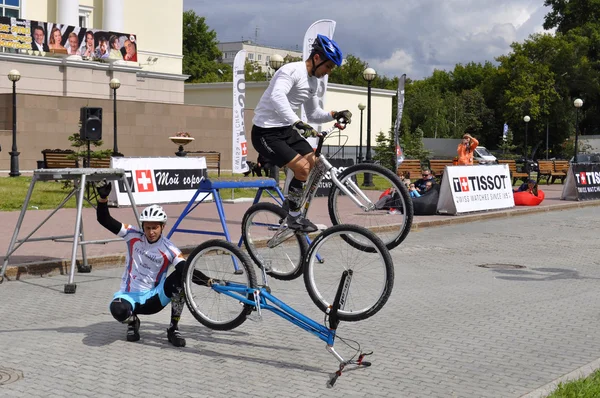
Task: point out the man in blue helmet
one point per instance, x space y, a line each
278 133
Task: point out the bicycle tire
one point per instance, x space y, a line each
391 234
283 261
372 271
221 304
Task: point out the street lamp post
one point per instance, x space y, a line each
115 84
14 77
369 75
526 119
362 107
578 104
276 61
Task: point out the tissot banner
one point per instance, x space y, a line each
158 180
324 27
240 145
48 38
475 188
583 182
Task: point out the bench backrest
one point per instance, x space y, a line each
561 166
213 159
512 165
413 166
100 163
437 166
54 159
545 166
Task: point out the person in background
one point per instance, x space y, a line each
465 150
73 44
88 50
530 186
38 43
426 176
115 48
130 51
56 39
412 190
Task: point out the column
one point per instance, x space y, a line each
67 12
112 15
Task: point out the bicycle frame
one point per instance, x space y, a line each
261 298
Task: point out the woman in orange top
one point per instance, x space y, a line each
465 150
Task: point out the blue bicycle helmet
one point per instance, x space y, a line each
327 48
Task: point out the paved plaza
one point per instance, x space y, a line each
450 328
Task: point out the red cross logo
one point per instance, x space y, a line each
582 178
143 180
244 148
464 184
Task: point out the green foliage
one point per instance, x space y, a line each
507 145
200 51
588 387
253 72
412 143
81 151
385 150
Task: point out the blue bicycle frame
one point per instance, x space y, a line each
261 298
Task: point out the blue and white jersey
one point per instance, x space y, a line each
146 263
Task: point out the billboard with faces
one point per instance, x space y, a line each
48 38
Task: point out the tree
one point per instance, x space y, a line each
253 72
412 143
570 14
200 51
385 150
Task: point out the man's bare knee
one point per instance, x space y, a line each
301 168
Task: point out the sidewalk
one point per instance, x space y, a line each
49 257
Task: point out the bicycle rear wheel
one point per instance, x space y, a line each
372 272
391 228
259 226
215 259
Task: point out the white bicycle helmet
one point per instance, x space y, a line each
154 213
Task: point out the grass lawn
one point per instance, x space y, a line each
48 194
588 387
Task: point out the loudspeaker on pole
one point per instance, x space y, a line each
91 123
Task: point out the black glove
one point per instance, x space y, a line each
343 116
103 187
305 129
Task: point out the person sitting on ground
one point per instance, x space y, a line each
530 186
412 190
427 176
145 287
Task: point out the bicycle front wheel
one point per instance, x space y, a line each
372 272
280 252
385 205
217 260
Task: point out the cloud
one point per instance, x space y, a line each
412 36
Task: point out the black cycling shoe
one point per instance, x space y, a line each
175 337
133 330
300 224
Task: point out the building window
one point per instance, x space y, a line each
251 57
268 58
259 57
84 16
10 8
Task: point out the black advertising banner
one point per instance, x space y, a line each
48 38
326 183
175 180
583 182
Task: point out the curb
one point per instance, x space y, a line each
62 267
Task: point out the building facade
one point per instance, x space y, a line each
155 75
254 52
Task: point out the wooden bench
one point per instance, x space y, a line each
437 166
96 163
59 159
561 168
514 174
412 166
213 159
545 170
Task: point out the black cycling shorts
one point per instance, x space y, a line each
279 144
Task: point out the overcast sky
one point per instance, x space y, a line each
394 37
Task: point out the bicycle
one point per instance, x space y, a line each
280 250
222 299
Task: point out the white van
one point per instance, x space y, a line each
483 156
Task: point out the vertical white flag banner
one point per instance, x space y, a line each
399 153
239 153
324 27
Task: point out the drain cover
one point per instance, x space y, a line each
501 266
8 375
